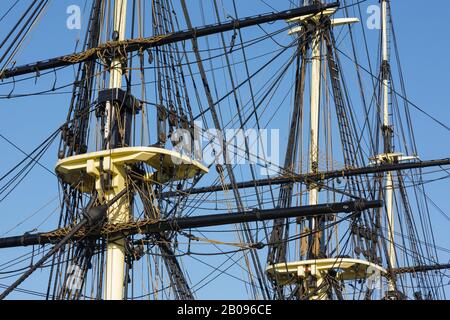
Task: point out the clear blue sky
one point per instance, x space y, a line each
423 43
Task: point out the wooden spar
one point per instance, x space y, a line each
178 224
145 43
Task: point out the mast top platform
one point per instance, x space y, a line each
83 171
346 268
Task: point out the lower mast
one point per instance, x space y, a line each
119 213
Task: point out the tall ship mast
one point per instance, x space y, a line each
264 150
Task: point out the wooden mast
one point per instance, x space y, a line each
119 213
